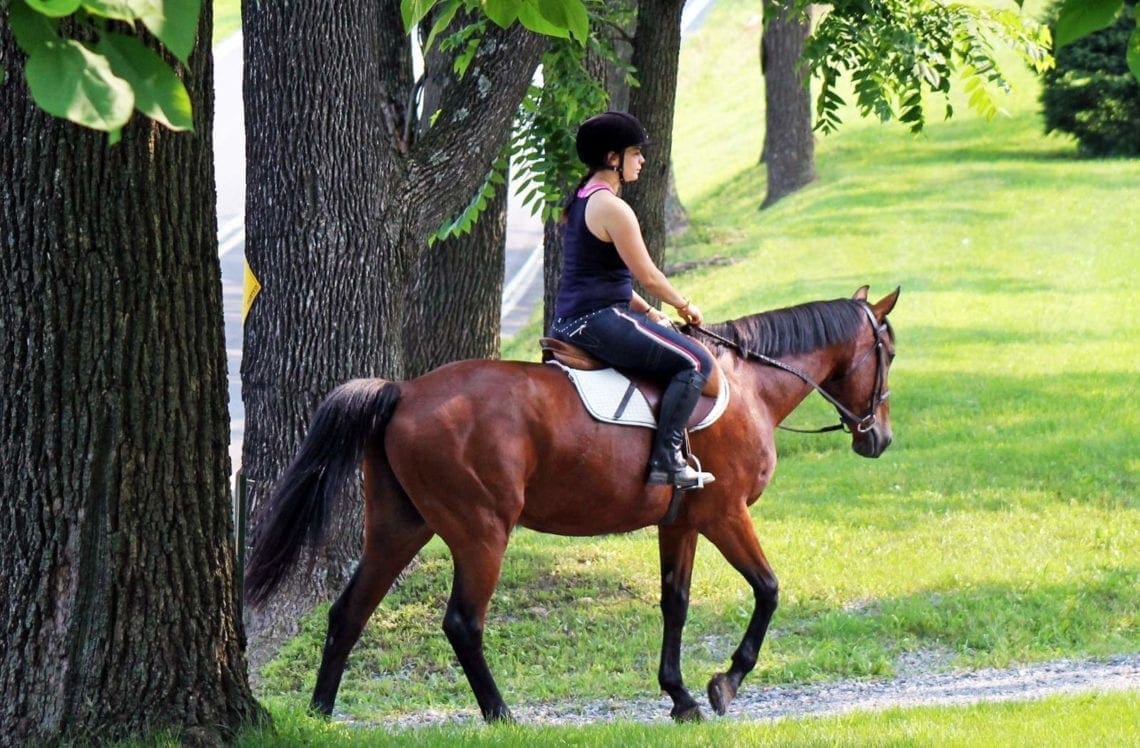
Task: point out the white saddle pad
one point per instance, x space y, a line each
611 397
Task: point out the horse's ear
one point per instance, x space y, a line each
884 305
861 294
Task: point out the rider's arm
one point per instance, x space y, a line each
638 304
619 222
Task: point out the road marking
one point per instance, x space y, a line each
231 235
516 289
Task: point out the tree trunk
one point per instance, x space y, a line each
340 203
456 295
551 269
789 144
656 52
117 556
456 291
676 217
319 122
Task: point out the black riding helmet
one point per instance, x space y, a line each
609 131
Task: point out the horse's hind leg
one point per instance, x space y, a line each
677 547
393 533
477 565
735 537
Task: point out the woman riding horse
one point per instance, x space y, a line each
449 454
597 309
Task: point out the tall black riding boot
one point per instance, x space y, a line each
667 465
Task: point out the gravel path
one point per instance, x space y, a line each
763 703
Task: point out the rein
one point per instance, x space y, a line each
848 419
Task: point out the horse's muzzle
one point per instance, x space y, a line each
872 442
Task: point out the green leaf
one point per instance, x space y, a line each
1080 18
442 21
502 12
31 29
70 81
413 11
120 10
174 22
463 59
568 14
159 94
54 8
532 18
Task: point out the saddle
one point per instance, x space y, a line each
608 393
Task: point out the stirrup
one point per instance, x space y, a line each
685 478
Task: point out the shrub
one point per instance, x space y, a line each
1091 94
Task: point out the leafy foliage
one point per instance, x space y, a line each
1076 19
543 144
896 51
99 84
465 221
1092 94
558 18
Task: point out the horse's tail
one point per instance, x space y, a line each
326 463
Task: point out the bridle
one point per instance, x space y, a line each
848 421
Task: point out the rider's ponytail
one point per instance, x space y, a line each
574 195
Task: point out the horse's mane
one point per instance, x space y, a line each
796 329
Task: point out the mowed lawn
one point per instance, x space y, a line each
1001 527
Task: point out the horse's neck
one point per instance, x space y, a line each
782 391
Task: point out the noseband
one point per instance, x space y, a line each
848 420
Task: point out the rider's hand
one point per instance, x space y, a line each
690 313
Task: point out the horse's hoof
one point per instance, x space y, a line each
320 709
688 714
500 716
721 693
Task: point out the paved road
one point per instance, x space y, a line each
522 289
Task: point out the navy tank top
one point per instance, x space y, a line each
593 273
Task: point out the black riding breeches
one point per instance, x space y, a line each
628 340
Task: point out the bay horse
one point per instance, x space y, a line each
472 449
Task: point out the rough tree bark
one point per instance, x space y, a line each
789 144
341 199
116 548
456 290
551 269
656 55
456 295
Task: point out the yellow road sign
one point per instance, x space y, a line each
252 286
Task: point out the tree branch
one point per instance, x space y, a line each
473 125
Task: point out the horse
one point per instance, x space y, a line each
475 448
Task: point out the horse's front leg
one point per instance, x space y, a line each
677 547
735 537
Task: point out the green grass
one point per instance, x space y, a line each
1092 719
1002 527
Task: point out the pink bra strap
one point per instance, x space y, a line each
592 188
